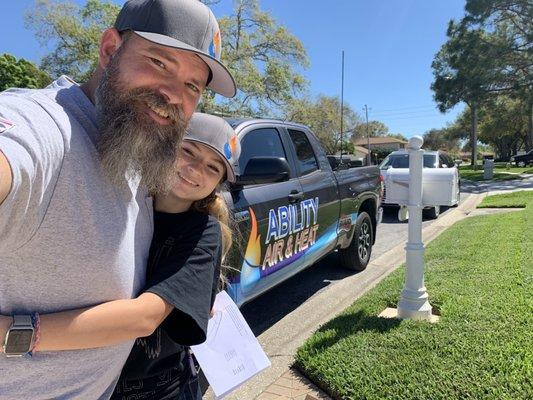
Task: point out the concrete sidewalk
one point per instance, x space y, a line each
281 381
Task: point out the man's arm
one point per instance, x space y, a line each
5 177
103 325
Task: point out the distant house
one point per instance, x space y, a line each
360 151
381 143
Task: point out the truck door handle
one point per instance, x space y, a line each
295 195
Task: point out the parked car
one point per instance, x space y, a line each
291 208
523 159
432 159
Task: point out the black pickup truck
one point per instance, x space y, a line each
291 208
523 160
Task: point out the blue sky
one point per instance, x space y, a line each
388 45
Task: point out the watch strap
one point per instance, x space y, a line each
22 321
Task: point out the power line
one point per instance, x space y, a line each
405 112
408 108
414 117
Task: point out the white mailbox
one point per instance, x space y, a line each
440 186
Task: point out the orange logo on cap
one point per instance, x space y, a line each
233 144
218 43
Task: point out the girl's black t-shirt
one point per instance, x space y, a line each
183 269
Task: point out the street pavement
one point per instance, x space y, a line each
285 317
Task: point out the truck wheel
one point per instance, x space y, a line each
433 212
357 254
521 164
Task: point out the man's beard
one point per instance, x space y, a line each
131 143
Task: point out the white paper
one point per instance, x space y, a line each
231 353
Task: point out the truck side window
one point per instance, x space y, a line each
304 152
445 160
260 143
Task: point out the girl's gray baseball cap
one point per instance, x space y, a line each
183 24
217 134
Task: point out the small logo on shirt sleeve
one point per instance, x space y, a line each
5 124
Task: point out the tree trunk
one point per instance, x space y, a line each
473 135
529 141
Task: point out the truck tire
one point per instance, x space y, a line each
432 213
357 254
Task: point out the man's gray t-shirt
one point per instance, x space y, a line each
68 237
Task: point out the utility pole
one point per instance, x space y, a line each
368 159
342 102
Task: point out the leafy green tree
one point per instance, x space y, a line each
466 70
348 147
434 139
504 125
397 136
510 22
375 128
263 57
323 117
440 139
21 73
73 32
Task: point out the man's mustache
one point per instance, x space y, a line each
154 99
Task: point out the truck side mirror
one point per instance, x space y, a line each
260 170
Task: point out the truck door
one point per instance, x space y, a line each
321 193
265 215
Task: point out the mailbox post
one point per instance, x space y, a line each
414 303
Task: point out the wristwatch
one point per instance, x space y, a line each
19 337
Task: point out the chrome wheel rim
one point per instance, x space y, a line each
364 242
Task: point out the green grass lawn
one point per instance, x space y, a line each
516 170
514 199
501 172
477 176
479 275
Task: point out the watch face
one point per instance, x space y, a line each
18 341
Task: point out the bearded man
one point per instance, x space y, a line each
77 164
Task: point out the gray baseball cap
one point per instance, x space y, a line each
217 134
183 24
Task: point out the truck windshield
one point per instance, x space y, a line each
402 161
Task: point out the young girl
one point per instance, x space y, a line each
191 237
